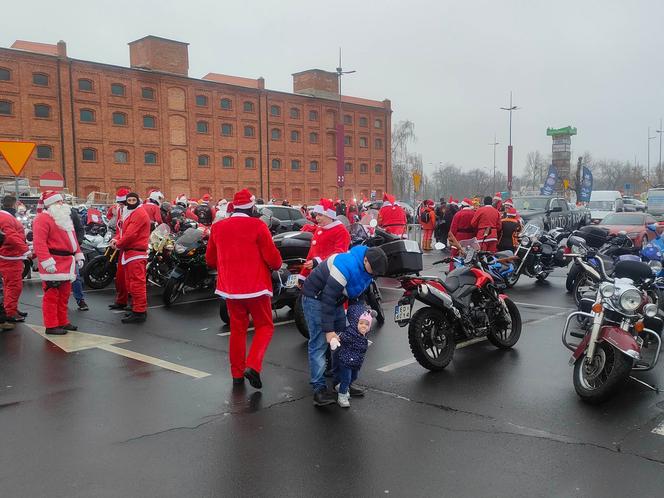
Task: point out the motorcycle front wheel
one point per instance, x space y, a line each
505 335
582 285
98 273
598 381
512 279
431 339
298 316
571 277
373 300
173 289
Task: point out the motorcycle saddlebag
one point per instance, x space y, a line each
293 245
403 257
593 235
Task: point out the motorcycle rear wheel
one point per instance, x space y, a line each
598 381
431 339
223 312
300 320
173 289
505 339
373 300
98 273
572 274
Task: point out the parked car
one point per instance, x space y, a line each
633 223
632 205
549 212
291 219
603 202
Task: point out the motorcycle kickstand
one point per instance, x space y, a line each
652 388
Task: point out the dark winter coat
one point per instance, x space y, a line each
353 344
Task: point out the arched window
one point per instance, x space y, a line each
201 100
364 142
249 163
150 158
348 119
5 74
44 152
85 85
226 104
348 140
378 123
42 111
378 169
364 168
249 131
89 155
118 89
248 106
87 115
295 165
149 122
203 160
275 110
364 122
276 164
313 115
294 113
378 143
121 157
202 126
275 134
227 162
313 166
313 138
226 129
5 107
348 167
295 136
40 79
147 93
119 119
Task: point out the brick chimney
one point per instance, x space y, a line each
317 83
62 49
159 54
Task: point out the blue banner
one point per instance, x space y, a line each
586 185
550 182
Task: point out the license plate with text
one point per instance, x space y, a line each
292 281
402 312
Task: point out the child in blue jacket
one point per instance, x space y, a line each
352 349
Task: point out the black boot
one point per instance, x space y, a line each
322 398
135 318
117 306
69 326
55 331
253 377
15 319
22 313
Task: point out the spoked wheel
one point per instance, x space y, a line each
431 339
172 291
583 284
506 331
596 381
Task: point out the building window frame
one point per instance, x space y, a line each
295 136
378 123
87 112
363 122
202 127
6 107
378 143
120 156
313 115
44 152
313 167
275 134
294 113
364 142
148 93
348 167
201 100
44 109
150 157
275 110
348 141
5 71
203 161
276 164
41 79
378 169
92 158
296 165
348 119
82 82
227 162
248 106
120 119
313 137
226 130
226 104
249 131
364 168
249 163
149 122
118 90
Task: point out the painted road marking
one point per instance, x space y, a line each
79 341
251 329
536 305
659 430
184 302
404 363
550 317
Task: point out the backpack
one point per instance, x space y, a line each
425 217
204 214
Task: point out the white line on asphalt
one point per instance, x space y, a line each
184 302
197 374
550 317
250 329
536 305
659 430
404 363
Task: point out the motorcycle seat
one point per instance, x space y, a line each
504 254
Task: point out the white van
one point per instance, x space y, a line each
656 201
603 202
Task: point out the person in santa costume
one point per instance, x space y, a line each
152 207
132 242
486 222
204 212
113 211
190 212
391 216
461 227
330 237
58 252
244 280
498 201
427 219
13 251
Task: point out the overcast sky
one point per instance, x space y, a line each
447 66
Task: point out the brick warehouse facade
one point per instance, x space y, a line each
152 126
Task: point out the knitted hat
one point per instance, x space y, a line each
50 197
121 195
377 260
366 317
326 208
243 199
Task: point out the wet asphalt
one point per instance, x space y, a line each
494 423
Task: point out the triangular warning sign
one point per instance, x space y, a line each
16 154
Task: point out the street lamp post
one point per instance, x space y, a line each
341 166
509 147
659 163
494 143
649 139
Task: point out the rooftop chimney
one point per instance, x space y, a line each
317 83
159 54
62 49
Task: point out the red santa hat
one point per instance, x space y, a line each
510 211
244 199
429 203
230 207
326 208
466 202
181 198
206 198
509 202
121 195
40 205
50 197
450 200
388 198
498 196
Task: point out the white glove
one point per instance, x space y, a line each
80 263
50 269
334 344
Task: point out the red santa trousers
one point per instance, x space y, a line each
54 304
491 246
426 236
135 284
121 293
260 309
12 281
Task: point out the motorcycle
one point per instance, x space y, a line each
160 262
190 270
499 265
623 333
464 308
538 252
100 271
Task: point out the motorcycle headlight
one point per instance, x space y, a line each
607 289
180 249
650 310
630 300
525 241
655 266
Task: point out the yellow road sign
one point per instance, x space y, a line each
417 178
565 183
16 154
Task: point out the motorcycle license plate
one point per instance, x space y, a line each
402 312
291 282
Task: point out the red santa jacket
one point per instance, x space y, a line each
461 226
328 240
153 211
94 217
14 247
54 245
133 234
392 218
189 213
486 217
242 251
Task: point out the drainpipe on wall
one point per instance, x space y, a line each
73 130
62 122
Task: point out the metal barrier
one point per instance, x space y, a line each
414 232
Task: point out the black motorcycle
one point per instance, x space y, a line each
538 253
99 271
190 270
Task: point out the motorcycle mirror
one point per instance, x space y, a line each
439 245
373 223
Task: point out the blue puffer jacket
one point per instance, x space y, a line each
353 344
340 276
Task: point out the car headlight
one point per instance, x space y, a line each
180 249
650 310
607 289
630 300
655 266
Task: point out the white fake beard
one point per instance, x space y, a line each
61 213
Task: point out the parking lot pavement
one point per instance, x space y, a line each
115 417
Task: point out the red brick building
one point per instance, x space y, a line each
152 126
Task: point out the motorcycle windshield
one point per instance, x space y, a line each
159 233
531 231
358 232
190 238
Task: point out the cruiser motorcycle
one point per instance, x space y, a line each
538 253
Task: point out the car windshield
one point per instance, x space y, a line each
530 203
601 205
623 219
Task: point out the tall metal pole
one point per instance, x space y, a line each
511 108
659 163
494 143
341 166
649 139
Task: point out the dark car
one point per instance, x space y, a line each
549 212
290 219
